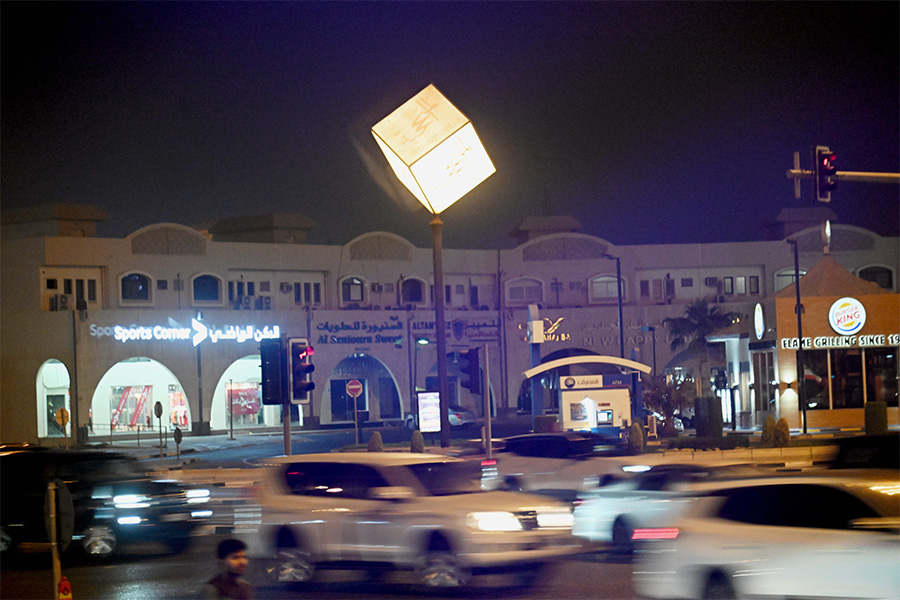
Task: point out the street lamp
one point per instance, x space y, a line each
419 342
798 308
619 300
434 151
652 329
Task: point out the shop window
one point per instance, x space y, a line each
352 290
881 375
207 288
524 291
846 378
134 286
881 276
815 367
412 291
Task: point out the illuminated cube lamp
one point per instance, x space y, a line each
433 149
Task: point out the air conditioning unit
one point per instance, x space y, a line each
63 302
246 302
286 287
711 281
377 288
267 302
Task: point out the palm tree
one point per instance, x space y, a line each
666 396
691 330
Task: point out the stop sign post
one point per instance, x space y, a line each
354 390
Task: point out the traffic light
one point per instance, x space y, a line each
826 173
470 370
271 361
301 367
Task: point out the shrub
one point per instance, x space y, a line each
375 442
708 416
768 433
876 418
635 438
782 433
417 444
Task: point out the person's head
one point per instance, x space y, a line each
233 556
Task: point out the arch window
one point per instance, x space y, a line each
604 288
524 291
353 290
882 276
412 291
135 288
786 277
207 289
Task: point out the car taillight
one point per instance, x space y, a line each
655 533
489 463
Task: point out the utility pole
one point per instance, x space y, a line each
835 176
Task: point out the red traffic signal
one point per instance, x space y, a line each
826 173
301 369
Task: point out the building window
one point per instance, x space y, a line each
785 277
605 289
207 288
753 280
412 291
162 284
352 290
67 286
264 286
524 291
740 285
687 282
728 285
92 290
135 287
52 284
878 275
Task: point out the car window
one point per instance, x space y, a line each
794 505
332 480
445 479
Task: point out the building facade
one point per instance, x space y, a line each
107 328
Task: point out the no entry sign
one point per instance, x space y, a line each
354 388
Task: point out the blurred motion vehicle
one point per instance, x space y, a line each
398 511
113 500
457 415
868 452
559 464
611 514
785 537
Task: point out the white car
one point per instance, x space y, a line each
795 537
400 511
457 416
611 514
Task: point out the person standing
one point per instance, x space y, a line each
232 556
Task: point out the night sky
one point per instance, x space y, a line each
657 122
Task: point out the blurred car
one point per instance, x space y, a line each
398 511
456 414
868 452
113 500
559 464
797 537
611 514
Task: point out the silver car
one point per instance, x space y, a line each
421 513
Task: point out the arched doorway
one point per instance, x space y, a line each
124 398
52 394
379 399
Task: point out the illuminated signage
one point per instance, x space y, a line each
842 341
759 321
197 333
847 316
429 412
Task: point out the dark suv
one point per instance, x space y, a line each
114 500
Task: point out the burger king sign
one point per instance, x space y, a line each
847 316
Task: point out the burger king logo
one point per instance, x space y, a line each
847 316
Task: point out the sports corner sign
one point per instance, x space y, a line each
197 333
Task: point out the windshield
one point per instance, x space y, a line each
446 479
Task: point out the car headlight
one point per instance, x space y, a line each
493 521
556 519
131 501
198 496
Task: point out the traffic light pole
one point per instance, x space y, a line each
848 176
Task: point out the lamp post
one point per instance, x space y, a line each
434 151
619 302
415 391
652 330
798 308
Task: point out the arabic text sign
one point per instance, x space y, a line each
197 334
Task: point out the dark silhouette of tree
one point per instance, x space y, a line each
691 331
664 395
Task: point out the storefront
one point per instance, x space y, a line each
851 341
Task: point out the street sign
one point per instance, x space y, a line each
354 388
62 417
157 409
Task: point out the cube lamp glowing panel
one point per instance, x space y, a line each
433 149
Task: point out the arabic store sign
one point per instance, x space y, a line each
361 332
197 333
